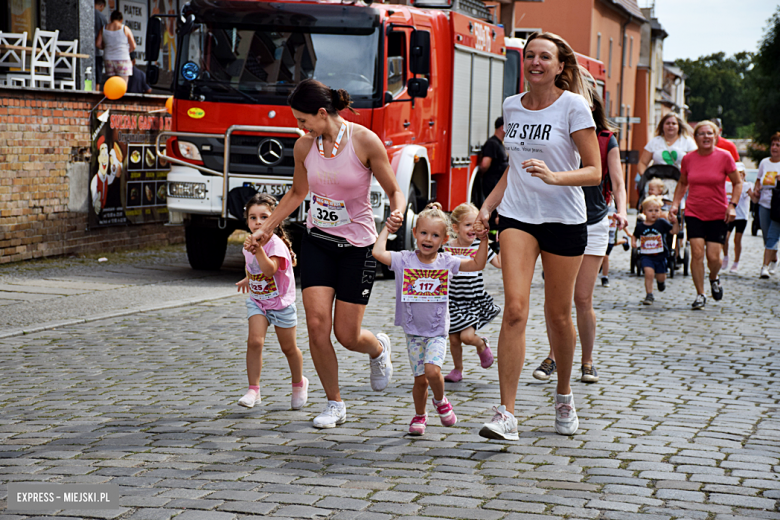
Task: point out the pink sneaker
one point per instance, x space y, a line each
454 376
300 394
447 416
486 356
417 427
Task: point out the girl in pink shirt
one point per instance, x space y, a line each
271 286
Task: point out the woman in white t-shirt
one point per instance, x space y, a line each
671 142
768 170
542 212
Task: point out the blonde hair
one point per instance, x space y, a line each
683 129
653 200
457 215
659 183
571 77
434 211
702 124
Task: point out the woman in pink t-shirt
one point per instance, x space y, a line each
334 163
707 212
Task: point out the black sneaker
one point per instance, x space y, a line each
589 374
661 286
605 281
648 299
626 246
716 288
545 370
699 302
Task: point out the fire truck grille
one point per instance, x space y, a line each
244 156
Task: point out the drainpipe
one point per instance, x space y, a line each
620 105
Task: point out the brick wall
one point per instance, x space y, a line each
43 136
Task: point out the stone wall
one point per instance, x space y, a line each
44 158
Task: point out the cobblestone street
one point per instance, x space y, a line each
684 423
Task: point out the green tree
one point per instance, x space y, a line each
765 78
719 87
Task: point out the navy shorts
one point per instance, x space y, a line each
553 238
655 262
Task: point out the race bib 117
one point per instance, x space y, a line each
425 285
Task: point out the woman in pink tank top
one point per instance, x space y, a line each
334 163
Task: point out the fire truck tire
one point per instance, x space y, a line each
403 237
206 247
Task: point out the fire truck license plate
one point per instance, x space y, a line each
277 190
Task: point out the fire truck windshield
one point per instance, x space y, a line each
244 64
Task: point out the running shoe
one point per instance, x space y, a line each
589 374
772 267
716 289
649 299
444 409
605 281
734 268
335 413
382 366
764 272
545 370
455 376
566 422
250 399
661 286
300 394
486 356
502 427
725 262
626 245
417 426
699 302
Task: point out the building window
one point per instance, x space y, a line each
525 33
631 52
625 46
598 46
609 65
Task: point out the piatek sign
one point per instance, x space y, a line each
128 182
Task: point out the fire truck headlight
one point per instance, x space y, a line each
189 151
187 190
376 199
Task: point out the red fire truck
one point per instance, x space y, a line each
428 79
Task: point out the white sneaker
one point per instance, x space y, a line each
772 267
734 268
382 366
764 272
725 264
249 400
566 422
300 394
503 426
335 413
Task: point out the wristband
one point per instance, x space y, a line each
731 203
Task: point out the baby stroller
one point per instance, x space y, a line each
678 247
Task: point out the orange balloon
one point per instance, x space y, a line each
169 105
115 87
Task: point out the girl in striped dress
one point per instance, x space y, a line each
471 307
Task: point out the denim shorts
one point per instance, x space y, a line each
286 318
656 262
770 229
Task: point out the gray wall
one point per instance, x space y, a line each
75 19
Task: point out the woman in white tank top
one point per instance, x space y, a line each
117 42
334 162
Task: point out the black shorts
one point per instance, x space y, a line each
739 225
329 261
554 238
709 230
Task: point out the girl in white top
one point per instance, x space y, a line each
549 129
740 223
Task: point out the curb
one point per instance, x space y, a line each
118 314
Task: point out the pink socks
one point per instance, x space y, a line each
299 384
255 389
